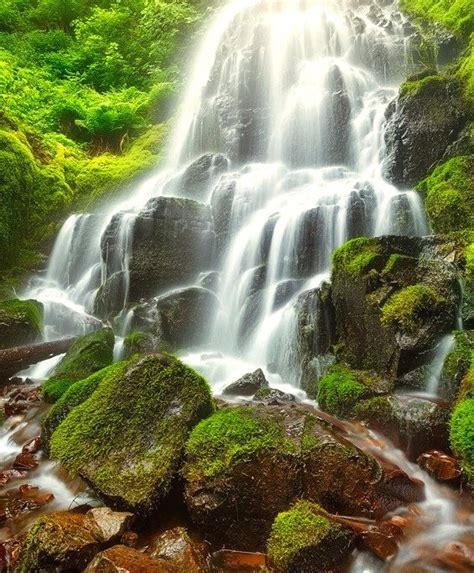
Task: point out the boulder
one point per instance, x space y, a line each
122 559
172 242
222 203
185 316
456 365
440 466
272 396
20 322
182 553
394 297
140 343
210 280
107 525
111 296
413 424
422 123
245 465
57 542
87 355
305 539
127 438
248 385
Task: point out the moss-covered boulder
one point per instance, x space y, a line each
304 539
341 389
140 343
75 395
456 365
462 427
414 424
449 195
87 355
57 542
127 438
394 299
20 322
422 123
245 465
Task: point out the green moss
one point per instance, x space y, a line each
127 438
417 86
458 361
229 437
356 257
87 355
405 307
449 195
139 343
378 408
398 263
339 391
303 532
456 16
20 322
462 436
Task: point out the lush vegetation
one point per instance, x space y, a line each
85 93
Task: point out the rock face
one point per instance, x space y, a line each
20 322
126 439
394 298
122 559
245 465
248 385
180 551
87 355
172 242
422 123
185 316
304 539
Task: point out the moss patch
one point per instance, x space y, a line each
87 355
462 432
356 257
139 343
127 438
303 535
231 436
405 307
20 322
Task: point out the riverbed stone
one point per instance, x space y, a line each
248 385
127 438
122 559
180 551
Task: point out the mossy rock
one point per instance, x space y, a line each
87 355
305 539
244 465
139 343
456 365
341 389
449 195
20 322
413 424
56 542
127 438
74 396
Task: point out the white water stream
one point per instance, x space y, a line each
294 94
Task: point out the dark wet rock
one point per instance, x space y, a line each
33 446
20 322
186 316
245 465
415 425
107 525
180 551
88 354
25 462
285 292
111 296
421 124
57 542
222 203
129 539
440 466
197 179
24 499
394 298
248 385
305 539
361 212
122 559
140 343
9 475
127 438
173 241
272 396
228 561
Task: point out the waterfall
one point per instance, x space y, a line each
282 123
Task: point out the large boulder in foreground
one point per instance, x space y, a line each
20 322
304 539
395 297
87 355
422 123
127 438
245 465
172 242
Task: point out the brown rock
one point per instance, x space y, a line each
25 462
121 559
107 525
180 551
129 538
226 561
439 465
8 475
33 446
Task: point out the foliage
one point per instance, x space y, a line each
87 355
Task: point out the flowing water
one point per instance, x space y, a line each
290 98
